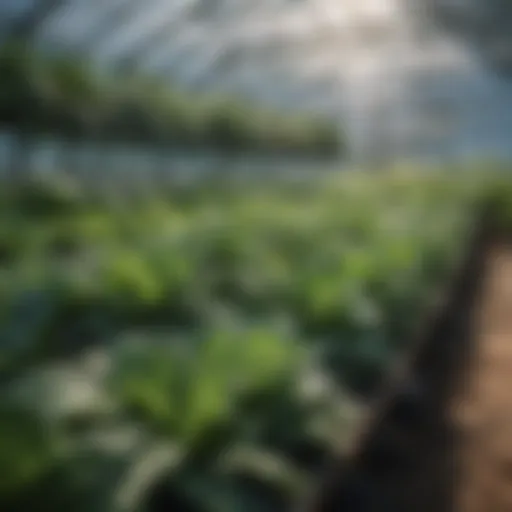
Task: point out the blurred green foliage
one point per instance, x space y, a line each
41 94
203 349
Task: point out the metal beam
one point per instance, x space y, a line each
121 13
156 38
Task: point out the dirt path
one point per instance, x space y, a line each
441 440
484 412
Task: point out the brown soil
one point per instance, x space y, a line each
441 438
483 413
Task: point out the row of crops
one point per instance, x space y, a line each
60 96
206 349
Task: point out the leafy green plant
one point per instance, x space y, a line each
40 94
185 299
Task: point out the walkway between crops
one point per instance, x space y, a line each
484 413
441 439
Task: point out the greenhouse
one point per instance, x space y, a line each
213 345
